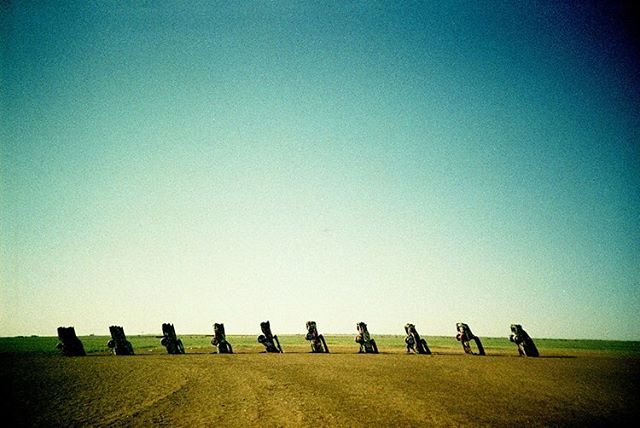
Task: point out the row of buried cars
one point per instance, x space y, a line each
70 345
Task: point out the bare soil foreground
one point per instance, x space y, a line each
448 388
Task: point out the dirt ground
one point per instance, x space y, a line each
338 389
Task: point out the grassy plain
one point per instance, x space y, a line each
575 383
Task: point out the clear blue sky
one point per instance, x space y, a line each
392 162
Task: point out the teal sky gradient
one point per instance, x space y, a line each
200 162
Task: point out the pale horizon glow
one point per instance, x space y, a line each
208 162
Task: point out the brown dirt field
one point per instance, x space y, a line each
301 389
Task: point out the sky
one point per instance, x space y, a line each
387 162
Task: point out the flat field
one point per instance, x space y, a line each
573 383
